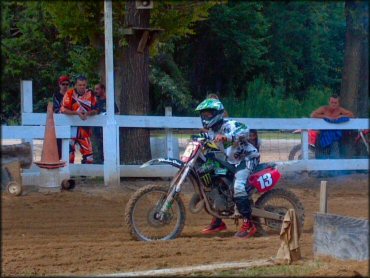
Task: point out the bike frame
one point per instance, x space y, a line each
183 173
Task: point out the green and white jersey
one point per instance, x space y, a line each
237 147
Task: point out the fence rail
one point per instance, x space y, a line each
173 122
33 128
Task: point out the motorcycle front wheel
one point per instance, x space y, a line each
141 215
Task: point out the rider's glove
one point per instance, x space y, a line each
202 135
221 138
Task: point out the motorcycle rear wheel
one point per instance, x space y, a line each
140 215
296 152
279 201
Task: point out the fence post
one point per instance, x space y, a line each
26 96
323 198
27 107
304 146
169 134
110 130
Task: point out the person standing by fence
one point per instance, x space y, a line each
63 83
80 101
253 139
97 134
328 142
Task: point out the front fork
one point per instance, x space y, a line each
175 189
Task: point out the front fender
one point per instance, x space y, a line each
175 163
168 160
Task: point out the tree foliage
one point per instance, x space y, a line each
29 46
263 100
168 86
294 45
226 49
270 55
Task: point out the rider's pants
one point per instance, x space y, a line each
240 188
241 177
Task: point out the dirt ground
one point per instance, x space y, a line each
82 232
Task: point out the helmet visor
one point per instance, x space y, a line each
208 114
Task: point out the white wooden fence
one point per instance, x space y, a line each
33 128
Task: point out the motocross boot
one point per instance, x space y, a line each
217 225
248 229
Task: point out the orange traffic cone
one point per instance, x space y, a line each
49 156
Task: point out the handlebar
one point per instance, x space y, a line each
201 137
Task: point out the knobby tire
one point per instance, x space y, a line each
286 195
136 197
293 152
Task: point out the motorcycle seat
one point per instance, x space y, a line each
263 166
234 169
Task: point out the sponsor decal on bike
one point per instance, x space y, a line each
220 171
206 179
265 180
170 161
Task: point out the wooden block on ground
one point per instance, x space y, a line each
342 237
13 170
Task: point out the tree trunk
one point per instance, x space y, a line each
354 87
97 41
119 72
355 77
135 142
363 107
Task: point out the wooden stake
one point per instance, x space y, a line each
323 198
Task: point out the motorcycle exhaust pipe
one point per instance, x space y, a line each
196 204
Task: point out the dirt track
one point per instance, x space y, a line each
82 232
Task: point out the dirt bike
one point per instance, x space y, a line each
157 212
361 142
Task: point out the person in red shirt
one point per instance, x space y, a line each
80 101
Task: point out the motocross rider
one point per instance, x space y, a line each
232 138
